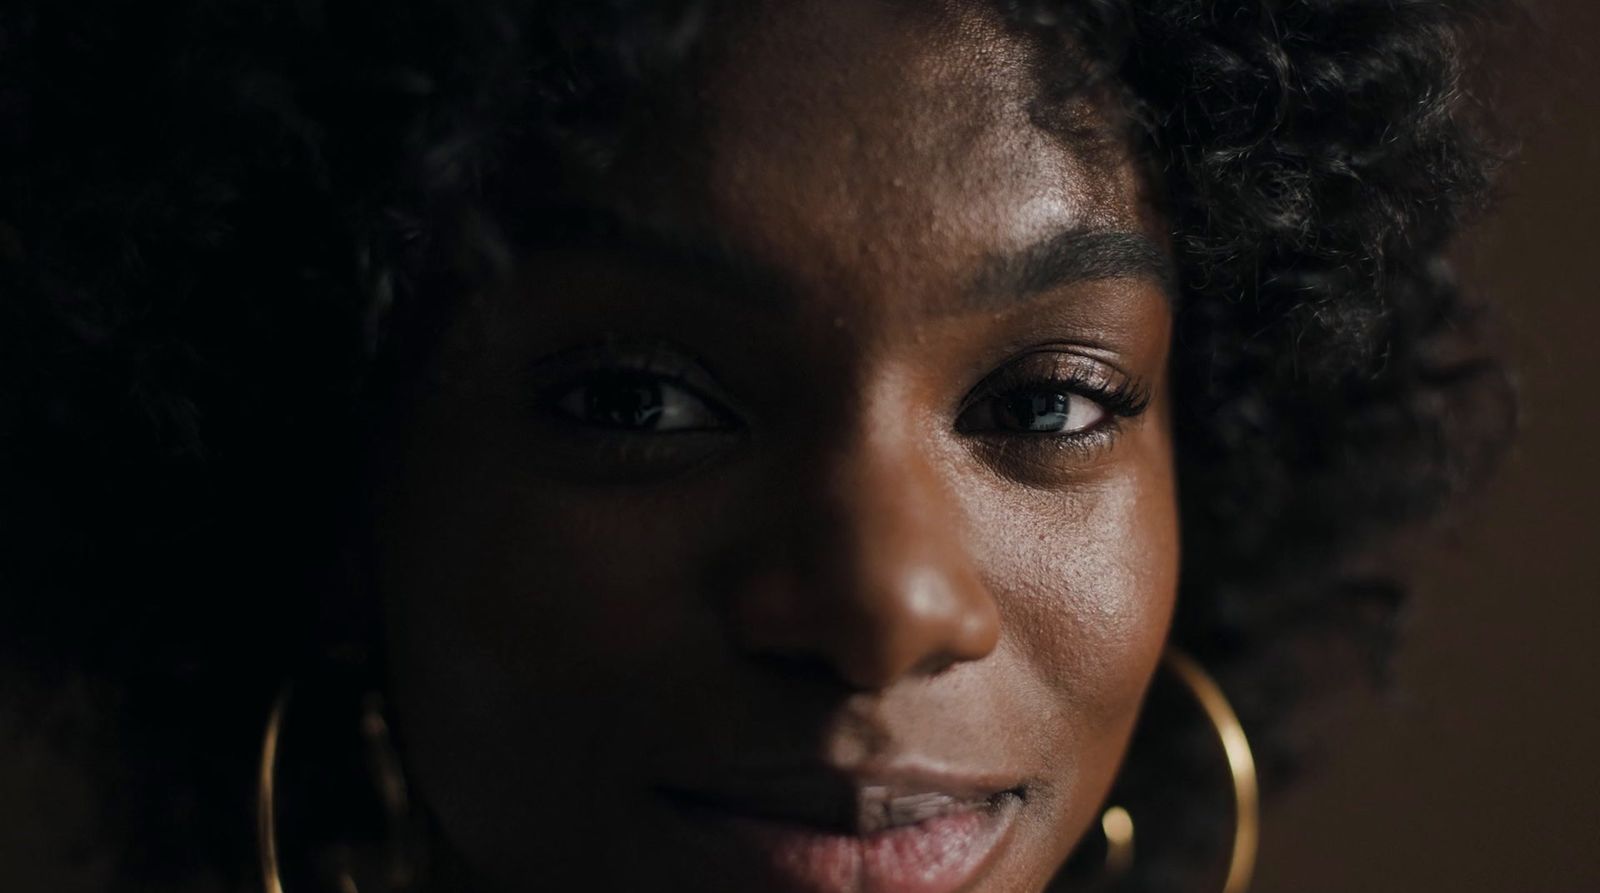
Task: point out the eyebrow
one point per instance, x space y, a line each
1066 257
696 252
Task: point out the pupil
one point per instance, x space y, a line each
624 403
1038 412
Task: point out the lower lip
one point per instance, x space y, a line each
939 855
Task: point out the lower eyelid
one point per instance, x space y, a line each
581 453
1046 459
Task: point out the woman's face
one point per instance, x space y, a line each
808 524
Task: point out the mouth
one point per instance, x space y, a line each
830 832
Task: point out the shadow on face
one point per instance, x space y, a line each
803 518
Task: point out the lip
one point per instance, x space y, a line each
826 831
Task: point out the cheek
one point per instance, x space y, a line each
1087 580
1092 582
498 583
525 629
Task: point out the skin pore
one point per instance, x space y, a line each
830 481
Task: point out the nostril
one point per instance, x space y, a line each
936 665
919 615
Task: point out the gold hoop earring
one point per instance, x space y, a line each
400 872
1117 825
266 796
1241 766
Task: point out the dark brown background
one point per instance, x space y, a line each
1480 769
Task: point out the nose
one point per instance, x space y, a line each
867 575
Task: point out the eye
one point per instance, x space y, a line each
1048 417
1034 410
639 402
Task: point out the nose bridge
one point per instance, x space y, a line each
883 585
893 521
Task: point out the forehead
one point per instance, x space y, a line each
858 142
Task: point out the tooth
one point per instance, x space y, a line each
877 810
918 808
873 810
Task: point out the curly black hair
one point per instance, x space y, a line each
226 229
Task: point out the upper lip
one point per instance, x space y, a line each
844 801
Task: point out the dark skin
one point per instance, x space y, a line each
846 457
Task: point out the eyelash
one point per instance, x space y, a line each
1022 454
1043 458
1118 396
1121 396
663 368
